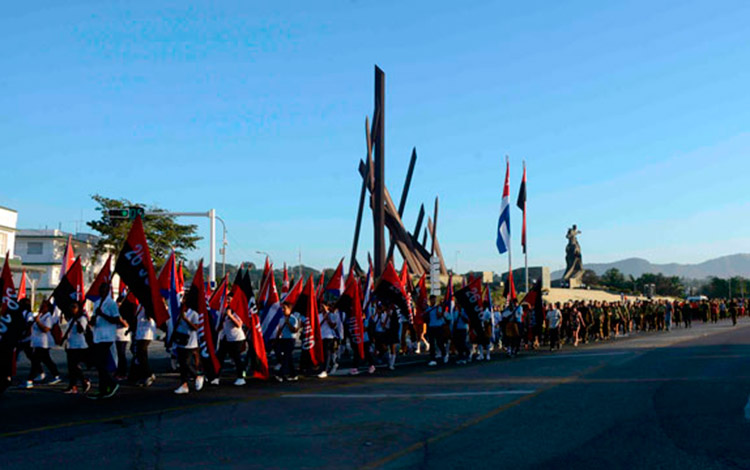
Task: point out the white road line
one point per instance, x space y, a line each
582 355
408 395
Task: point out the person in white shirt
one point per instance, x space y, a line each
77 349
554 320
122 336
330 328
41 342
185 338
233 343
145 332
105 320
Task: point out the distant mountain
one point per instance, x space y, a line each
724 267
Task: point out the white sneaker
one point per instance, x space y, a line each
446 359
354 371
323 375
487 357
432 363
39 377
55 380
199 383
182 389
215 381
239 382
371 370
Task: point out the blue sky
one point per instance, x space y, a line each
632 118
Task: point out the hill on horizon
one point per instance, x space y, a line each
722 267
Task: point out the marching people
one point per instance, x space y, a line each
460 333
77 350
41 342
435 323
122 338
554 321
186 339
105 320
287 335
330 331
233 343
145 333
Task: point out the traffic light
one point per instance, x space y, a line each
129 213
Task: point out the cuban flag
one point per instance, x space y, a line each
171 286
503 224
336 285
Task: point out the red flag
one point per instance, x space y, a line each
321 283
22 286
266 270
103 277
521 203
218 300
195 299
68 257
238 304
510 288
389 289
260 369
350 303
293 295
406 282
469 298
335 285
136 269
285 282
307 306
180 279
70 289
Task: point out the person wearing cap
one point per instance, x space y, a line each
287 334
330 332
435 322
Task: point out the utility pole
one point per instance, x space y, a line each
378 209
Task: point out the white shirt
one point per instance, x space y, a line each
286 331
232 332
104 331
76 339
194 318
40 339
145 327
327 331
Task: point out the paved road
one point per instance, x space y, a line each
659 400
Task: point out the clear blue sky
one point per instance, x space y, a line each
633 118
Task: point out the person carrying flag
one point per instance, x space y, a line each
145 332
330 330
286 337
41 342
185 338
77 350
106 319
233 343
460 333
435 324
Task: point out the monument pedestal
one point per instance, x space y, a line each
574 283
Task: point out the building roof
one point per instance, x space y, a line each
8 209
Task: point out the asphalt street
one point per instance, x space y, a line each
655 400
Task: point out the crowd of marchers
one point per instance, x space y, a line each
440 331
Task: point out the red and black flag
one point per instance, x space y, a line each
307 306
12 325
521 203
390 290
350 304
534 299
422 304
195 299
22 286
136 269
70 289
469 298
103 277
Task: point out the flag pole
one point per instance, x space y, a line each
525 234
510 265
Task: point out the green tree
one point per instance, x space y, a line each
162 231
614 279
590 278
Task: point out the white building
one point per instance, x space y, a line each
8 220
45 249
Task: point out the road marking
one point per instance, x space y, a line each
408 395
582 355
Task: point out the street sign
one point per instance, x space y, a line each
434 275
